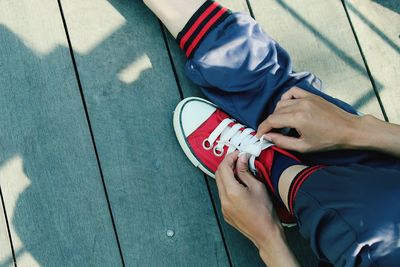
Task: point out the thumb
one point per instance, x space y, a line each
286 142
242 168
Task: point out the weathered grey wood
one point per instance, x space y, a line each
241 250
377 25
131 92
51 184
319 38
6 258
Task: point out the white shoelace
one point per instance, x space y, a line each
235 139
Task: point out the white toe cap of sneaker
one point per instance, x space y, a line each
194 112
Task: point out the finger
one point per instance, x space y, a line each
242 164
286 103
225 167
276 121
287 142
295 92
226 177
230 160
242 167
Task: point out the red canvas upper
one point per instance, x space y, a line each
263 163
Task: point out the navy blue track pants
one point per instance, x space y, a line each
348 210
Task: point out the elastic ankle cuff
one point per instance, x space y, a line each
300 178
206 18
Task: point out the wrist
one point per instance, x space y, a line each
361 130
269 238
274 250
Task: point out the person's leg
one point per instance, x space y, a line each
242 69
350 214
286 179
174 14
230 57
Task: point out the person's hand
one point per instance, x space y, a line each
247 207
245 204
320 124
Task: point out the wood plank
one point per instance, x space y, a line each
377 25
6 257
49 176
241 250
319 38
130 93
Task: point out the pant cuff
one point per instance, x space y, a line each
206 18
300 178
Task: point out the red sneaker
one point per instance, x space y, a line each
206 134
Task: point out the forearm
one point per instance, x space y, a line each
174 14
275 251
283 257
371 133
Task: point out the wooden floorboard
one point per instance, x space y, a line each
241 250
51 182
49 176
319 38
162 209
6 257
377 25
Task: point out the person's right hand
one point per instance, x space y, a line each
320 124
246 205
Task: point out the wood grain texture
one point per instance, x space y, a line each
49 176
377 25
131 92
6 258
318 36
242 252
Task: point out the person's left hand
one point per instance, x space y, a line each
320 124
245 204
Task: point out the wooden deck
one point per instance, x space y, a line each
90 171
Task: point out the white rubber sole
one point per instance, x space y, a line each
181 137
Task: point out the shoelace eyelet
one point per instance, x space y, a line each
218 152
205 146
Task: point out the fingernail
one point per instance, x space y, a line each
267 137
244 157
